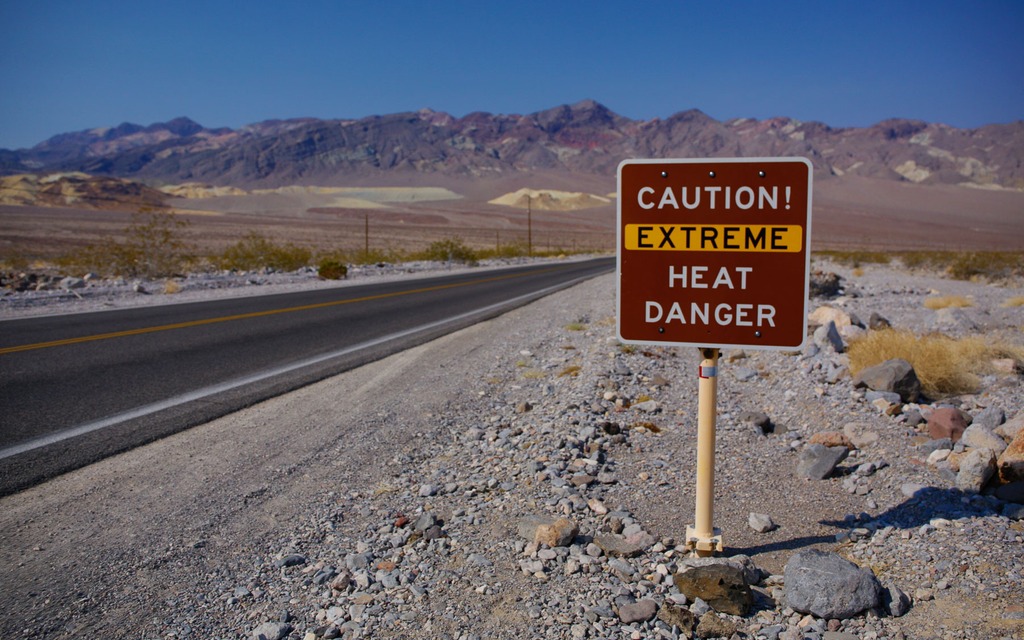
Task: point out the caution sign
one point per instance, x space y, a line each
714 252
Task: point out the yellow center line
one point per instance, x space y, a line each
256 314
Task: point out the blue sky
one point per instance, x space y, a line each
72 65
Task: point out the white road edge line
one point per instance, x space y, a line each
205 392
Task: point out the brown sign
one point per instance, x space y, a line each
714 252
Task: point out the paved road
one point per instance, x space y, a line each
79 387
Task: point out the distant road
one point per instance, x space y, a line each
76 388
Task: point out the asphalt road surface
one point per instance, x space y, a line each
76 388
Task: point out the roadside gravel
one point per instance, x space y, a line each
396 501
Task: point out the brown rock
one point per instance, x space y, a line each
832 439
1009 429
548 531
623 547
1011 461
712 626
823 314
861 435
639 611
946 422
675 616
723 587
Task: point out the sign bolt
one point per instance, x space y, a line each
664 174
757 334
711 174
761 174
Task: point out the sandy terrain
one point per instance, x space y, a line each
849 212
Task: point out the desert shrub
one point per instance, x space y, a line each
332 269
967 265
1015 301
992 265
152 247
943 365
376 256
945 302
450 250
512 250
255 251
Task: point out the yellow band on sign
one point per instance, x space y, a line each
714 237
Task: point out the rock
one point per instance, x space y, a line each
851 333
946 422
751 572
978 436
896 375
428 490
553 532
1013 511
744 374
860 435
722 586
827 335
895 601
1005 366
1011 461
818 461
70 283
955 319
831 439
1013 492
271 631
1009 429
647 406
929 446
825 314
760 522
713 626
990 417
292 560
828 586
597 506
824 284
425 521
639 611
624 546
675 616
889 396
877 322
758 419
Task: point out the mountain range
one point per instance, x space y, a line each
583 139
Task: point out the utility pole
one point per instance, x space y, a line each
529 225
366 236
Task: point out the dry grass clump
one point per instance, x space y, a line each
943 365
945 302
967 265
1015 301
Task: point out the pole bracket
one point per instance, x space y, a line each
703 545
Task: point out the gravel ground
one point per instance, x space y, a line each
395 501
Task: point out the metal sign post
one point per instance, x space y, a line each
713 253
703 538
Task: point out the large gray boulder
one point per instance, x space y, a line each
829 586
817 461
896 376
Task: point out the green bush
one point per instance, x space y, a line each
257 252
332 270
451 250
152 247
